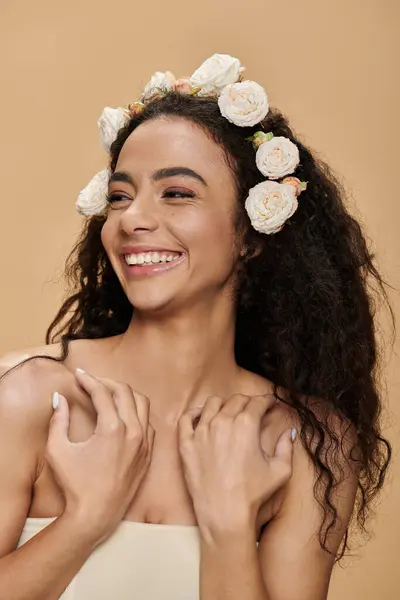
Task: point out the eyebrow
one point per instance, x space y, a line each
124 177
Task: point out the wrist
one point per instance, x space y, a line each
85 527
224 530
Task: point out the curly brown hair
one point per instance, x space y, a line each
306 303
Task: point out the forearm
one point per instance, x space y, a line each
43 567
229 568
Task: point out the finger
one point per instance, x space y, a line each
211 408
124 400
59 423
186 422
285 445
259 405
235 405
143 410
151 433
107 414
281 463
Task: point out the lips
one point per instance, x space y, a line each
146 264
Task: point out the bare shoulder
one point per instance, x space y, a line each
29 378
28 381
280 415
79 351
285 414
25 411
12 359
25 382
26 389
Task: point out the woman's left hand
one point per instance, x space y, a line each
228 474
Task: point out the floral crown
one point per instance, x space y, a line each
244 103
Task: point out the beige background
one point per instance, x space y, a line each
330 66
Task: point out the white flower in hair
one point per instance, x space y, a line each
92 200
110 122
277 157
244 104
215 73
160 82
269 204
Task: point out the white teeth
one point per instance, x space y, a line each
146 258
131 259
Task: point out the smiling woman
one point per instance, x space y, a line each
193 215
225 428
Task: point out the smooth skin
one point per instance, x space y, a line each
98 459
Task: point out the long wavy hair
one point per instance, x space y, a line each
306 302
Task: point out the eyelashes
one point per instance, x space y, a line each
176 194
170 194
114 198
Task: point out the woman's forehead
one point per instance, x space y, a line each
172 140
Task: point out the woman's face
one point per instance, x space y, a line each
169 232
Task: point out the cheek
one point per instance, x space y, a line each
208 231
108 233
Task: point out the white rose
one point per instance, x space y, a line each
244 104
269 204
92 200
160 82
215 73
277 157
110 122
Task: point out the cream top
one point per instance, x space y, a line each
139 561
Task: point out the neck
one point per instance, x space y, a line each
180 360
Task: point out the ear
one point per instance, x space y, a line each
249 253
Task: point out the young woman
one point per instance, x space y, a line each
213 372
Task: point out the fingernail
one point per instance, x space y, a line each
55 400
294 434
80 370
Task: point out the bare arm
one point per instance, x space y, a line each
289 563
42 568
294 565
117 457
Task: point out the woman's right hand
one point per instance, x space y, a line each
100 477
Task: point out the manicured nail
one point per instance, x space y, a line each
80 370
55 400
294 434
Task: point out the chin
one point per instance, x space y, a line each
152 297
152 292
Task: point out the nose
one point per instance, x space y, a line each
140 216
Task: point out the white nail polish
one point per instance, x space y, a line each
55 400
294 434
80 370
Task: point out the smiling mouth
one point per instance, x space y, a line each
145 264
151 258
